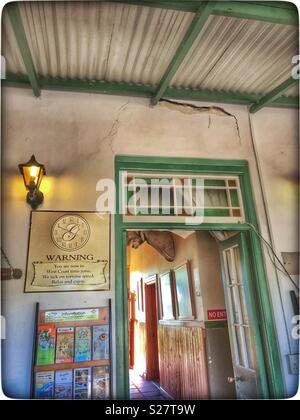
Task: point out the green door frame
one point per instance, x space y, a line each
263 302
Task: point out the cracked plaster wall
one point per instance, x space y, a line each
77 136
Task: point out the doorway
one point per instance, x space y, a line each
268 354
177 345
144 369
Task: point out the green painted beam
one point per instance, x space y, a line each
79 85
237 98
180 5
273 95
16 21
193 31
274 12
255 11
145 91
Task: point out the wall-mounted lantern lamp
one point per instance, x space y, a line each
33 173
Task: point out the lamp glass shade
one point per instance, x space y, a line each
32 172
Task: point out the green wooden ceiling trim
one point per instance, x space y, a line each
193 31
273 95
80 85
274 12
145 91
238 98
18 28
255 11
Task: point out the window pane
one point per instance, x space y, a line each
229 266
243 305
214 183
159 181
236 213
241 290
239 343
217 212
215 198
235 311
165 284
130 196
234 198
232 289
250 348
238 264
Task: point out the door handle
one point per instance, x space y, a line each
232 379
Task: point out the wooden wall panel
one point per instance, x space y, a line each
182 361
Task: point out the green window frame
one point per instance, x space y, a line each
270 355
178 196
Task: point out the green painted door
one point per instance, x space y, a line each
245 341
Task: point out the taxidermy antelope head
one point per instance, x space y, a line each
163 242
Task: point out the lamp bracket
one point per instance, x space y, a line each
35 198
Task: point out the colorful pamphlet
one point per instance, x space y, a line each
100 342
44 385
82 384
63 385
83 344
101 386
65 345
45 344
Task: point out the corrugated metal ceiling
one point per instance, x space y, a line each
126 43
101 41
239 55
10 50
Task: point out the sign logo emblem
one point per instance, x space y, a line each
70 232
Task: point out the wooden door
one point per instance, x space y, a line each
151 317
246 346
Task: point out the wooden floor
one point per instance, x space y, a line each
144 390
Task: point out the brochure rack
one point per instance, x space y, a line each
72 354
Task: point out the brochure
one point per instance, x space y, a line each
44 385
82 384
83 344
65 345
63 385
100 342
101 386
45 344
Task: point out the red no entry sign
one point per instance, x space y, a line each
216 314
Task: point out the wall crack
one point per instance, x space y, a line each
194 109
113 131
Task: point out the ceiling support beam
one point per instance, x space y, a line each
145 91
18 28
273 95
274 12
193 31
256 11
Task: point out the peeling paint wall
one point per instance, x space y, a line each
77 136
